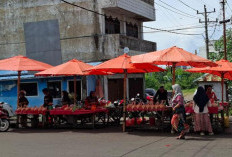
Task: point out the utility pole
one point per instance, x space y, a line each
205 14
224 21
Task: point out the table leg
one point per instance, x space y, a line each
17 121
104 120
43 120
222 119
162 119
108 119
93 121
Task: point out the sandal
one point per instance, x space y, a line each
181 137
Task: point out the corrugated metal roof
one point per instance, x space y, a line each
209 78
6 78
10 73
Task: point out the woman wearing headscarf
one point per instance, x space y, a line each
201 118
178 119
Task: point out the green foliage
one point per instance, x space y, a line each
219 46
185 79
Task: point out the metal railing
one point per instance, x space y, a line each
137 44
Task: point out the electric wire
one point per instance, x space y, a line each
169 31
204 3
228 6
186 28
180 12
187 5
175 11
213 31
178 9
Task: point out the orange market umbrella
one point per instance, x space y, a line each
22 63
123 65
224 70
73 67
173 56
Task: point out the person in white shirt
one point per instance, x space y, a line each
202 122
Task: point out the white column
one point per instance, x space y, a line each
123 26
141 31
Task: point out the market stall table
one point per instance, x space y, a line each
215 111
123 65
224 70
82 114
114 115
160 112
32 114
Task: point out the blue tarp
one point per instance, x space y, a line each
11 73
5 78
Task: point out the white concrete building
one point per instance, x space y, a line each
202 50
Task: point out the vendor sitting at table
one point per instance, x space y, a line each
23 102
161 95
91 100
65 98
211 95
48 100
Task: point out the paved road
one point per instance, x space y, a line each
109 142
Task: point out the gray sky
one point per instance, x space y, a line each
165 19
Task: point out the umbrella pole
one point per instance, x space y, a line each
173 73
124 100
18 88
222 84
75 89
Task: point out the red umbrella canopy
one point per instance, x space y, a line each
224 67
173 55
22 63
122 63
70 68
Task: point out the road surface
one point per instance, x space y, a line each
109 142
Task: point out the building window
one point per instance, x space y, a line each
30 88
54 88
132 30
112 26
71 89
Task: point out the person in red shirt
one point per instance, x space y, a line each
91 100
210 93
212 97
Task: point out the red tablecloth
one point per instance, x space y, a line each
77 112
145 108
224 104
30 112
